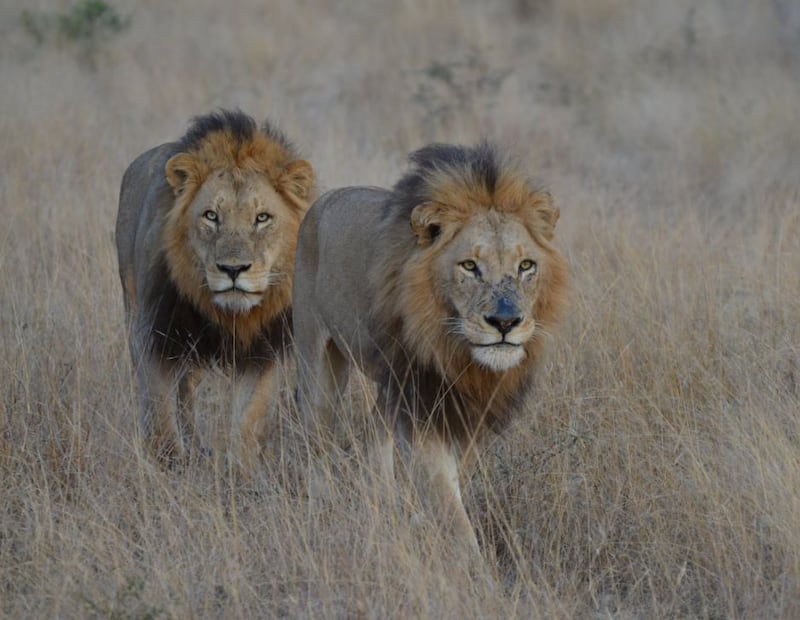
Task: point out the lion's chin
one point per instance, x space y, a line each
236 301
499 357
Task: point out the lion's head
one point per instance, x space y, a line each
240 195
484 281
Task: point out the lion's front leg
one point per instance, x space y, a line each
431 461
157 383
323 373
187 387
434 465
255 393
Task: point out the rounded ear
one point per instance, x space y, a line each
547 213
297 179
181 169
426 222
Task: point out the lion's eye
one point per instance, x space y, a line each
527 265
211 216
262 218
469 265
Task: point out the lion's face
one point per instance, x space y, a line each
483 283
489 277
238 233
231 234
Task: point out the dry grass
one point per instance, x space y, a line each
656 472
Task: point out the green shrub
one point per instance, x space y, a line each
86 26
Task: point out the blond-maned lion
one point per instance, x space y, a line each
441 291
206 234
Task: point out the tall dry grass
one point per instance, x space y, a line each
655 472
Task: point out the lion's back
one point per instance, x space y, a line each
144 196
340 239
344 227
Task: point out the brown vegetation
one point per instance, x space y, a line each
656 472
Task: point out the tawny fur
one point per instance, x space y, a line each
414 299
380 284
175 322
220 151
408 294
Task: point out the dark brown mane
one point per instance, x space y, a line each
240 128
480 166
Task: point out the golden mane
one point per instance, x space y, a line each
174 257
224 146
462 284
455 192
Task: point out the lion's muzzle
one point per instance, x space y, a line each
233 277
497 337
506 316
236 287
233 270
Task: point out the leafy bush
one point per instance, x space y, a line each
90 19
89 24
447 88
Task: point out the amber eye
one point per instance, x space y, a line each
527 265
262 218
211 216
469 265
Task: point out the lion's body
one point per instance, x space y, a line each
203 280
381 282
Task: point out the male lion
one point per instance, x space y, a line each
206 235
441 291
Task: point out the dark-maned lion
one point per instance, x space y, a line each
206 235
440 290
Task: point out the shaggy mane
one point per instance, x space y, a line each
464 181
231 140
475 168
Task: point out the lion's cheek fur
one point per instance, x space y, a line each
183 264
552 296
187 272
423 310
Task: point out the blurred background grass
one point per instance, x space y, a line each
656 470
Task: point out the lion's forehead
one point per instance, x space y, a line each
239 199
500 241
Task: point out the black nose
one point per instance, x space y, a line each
505 317
233 270
503 323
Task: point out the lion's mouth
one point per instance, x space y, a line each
237 300
498 356
236 289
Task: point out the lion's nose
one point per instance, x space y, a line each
505 317
503 323
233 270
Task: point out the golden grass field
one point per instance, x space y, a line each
655 472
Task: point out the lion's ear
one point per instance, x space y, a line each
547 213
426 222
181 169
297 179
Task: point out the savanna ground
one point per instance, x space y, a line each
656 471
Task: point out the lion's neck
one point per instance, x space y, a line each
468 399
245 328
